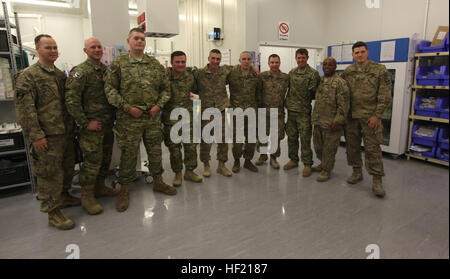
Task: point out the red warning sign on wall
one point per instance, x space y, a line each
283 31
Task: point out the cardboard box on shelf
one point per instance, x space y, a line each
441 34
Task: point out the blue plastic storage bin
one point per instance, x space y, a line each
430 154
424 140
443 138
424 78
446 44
441 103
440 154
443 110
424 46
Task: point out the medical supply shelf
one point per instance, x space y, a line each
439 92
15 52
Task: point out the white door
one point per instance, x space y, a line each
287 57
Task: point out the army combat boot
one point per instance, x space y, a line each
123 199
262 158
236 166
356 176
67 200
290 165
317 168
206 169
222 169
323 176
192 176
306 171
178 179
160 186
58 220
377 187
101 190
249 165
88 201
274 163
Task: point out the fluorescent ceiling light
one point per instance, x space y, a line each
132 12
44 3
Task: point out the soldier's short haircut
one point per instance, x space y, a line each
359 44
215 51
136 29
274 56
302 51
176 53
37 39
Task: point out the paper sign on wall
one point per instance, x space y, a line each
336 53
347 53
387 51
283 31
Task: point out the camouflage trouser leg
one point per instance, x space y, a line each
108 142
153 138
326 144
69 161
190 156
355 129
97 151
239 148
222 148
299 124
176 160
48 169
281 132
129 132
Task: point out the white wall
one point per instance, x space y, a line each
197 17
350 20
66 29
306 18
110 22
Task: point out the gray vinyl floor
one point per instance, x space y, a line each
271 214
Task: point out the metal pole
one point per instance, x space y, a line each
19 40
9 38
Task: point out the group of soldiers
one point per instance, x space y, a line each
132 100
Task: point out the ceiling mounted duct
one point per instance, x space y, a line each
158 18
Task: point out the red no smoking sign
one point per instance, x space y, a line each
284 28
283 31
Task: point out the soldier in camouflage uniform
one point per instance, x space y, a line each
304 81
39 99
182 83
138 86
211 86
370 95
244 82
328 117
273 88
86 102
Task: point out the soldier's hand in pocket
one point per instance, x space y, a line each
40 145
135 112
94 125
372 122
154 110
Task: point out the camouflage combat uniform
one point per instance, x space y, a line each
180 88
302 87
211 88
141 83
40 106
243 94
370 95
273 89
86 101
331 107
